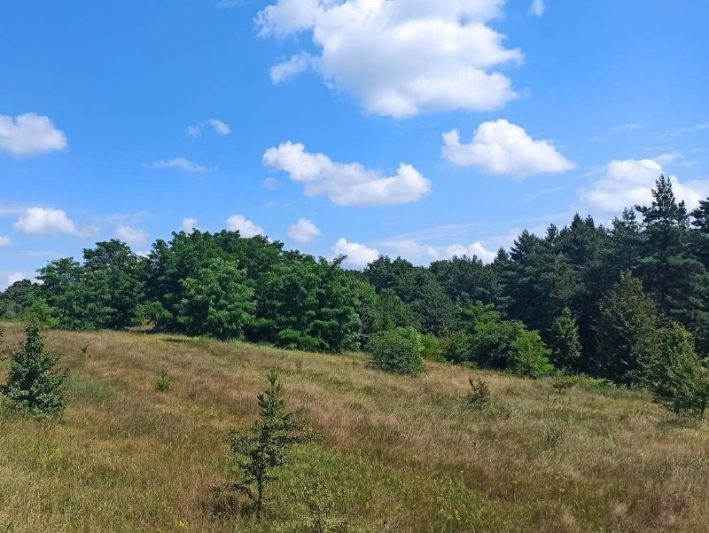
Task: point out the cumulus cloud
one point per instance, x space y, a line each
244 226
502 148
218 126
189 224
5 241
400 57
476 249
537 8
629 182
181 164
358 255
346 183
11 278
303 231
132 236
49 221
30 134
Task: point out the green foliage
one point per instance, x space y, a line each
217 302
265 447
432 349
565 344
397 350
531 356
17 298
675 374
103 292
479 395
33 386
491 342
42 314
626 331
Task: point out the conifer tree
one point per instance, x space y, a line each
676 376
625 331
33 385
672 275
566 345
266 447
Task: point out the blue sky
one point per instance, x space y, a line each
330 124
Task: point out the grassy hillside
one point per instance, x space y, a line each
398 454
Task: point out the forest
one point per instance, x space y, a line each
627 303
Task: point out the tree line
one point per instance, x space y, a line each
624 302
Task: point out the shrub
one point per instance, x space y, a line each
265 447
479 395
164 382
431 348
398 350
33 386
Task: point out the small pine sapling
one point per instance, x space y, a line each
265 447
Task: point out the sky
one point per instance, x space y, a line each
408 128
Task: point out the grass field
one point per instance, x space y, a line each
397 454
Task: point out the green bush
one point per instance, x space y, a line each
491 342
431 348
398 350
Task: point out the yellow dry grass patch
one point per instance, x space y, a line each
398 453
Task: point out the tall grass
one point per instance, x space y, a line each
396 453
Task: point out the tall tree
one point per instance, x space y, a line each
626 331
674 277
565 344
218 301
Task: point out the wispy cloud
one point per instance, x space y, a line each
686 129
217 126
181 164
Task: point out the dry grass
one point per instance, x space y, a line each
398 454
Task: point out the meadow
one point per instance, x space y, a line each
396 453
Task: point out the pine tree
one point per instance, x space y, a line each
566 345
265 448
33 385
625 331
676 376
672 275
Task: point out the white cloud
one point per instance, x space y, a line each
303 231
477 249
244 226
5 240
132 236
346 184
290 68
49 221
401 57
502 148
218 126
358 255
11 278
30 134
189 224
181 164
537 8
410 248
626 183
